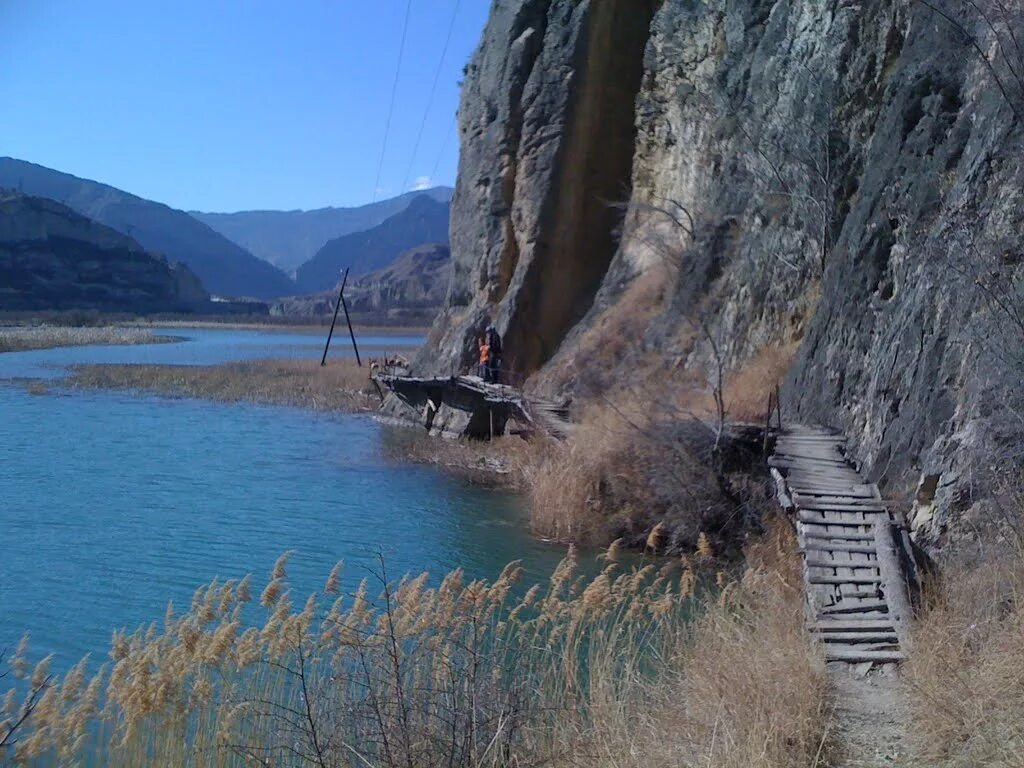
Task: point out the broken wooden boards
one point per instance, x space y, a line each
858 604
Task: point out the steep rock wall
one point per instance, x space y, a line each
803 172
547 130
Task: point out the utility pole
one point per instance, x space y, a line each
337 307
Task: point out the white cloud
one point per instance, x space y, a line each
421 183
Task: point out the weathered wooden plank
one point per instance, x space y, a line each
850 625
817 499
826 563
792 460
853 655
843 536
869 594
876 605
814 579
813 519
866 506
887 637
814 480
862 549
810 452
836 518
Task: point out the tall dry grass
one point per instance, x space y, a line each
748 387
966 672
623 669
339 386
630 467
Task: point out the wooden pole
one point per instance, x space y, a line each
341 298
778 406
351 333
767 425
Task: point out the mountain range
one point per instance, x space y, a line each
220 259
288 239
408 291
425 220
224 267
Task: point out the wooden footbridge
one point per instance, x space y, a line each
859 567
490 406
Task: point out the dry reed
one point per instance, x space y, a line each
340 386
626 469
966 673
20 339
619 670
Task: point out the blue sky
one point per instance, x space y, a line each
225 105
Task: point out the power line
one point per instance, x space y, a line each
430 99
394 92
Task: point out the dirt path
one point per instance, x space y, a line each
870 718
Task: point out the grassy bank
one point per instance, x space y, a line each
966 670
625 669
20 339
339 386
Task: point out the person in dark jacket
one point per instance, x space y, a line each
494 344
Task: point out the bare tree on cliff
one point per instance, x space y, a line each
795 161
994 30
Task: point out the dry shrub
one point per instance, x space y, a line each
624 471
621 669
747 388
966 672
339 386
613 338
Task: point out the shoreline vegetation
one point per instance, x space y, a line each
628 668
95 319
24 339
339 386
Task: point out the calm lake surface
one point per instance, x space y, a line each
111 504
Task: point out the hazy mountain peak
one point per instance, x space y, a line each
289 239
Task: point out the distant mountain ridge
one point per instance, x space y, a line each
409 291
288 239
224 267
54 258
424 221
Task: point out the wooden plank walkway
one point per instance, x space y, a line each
857 557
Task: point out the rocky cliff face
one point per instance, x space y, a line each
53 258
827 176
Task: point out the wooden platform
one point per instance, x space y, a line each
858 562
490 406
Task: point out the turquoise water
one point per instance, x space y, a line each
111 504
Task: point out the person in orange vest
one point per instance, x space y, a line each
485 358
